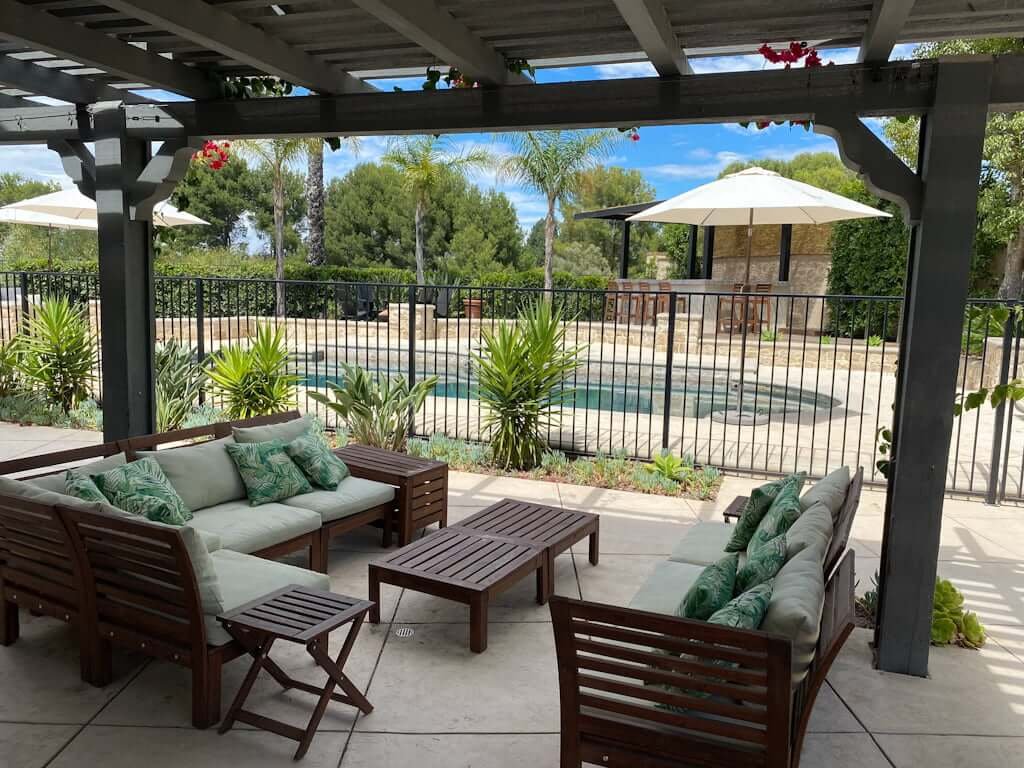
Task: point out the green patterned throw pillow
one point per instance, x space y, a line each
268 472
317 461
77 483
757 506
712 589
783 513
762 565
141 488
747 610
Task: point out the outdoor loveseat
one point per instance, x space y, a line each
641 686
156 589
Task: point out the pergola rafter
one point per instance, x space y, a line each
653 30
887 20
52 82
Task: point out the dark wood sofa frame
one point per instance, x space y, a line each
646 689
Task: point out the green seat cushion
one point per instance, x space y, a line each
796 606
353 495
77 483
747 610
812 529
285 431
757 507
702 544
242 528
141 488
785 511
762 565
712 589
202 474
664 587
244 578
268 472
317 462
830 490
55 482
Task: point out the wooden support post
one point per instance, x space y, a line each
691 253
936 295
624 254
709 252
126 282
785 251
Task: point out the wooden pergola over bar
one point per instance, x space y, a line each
92 55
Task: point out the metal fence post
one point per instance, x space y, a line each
666 416
992 494
411 351
23 288
200 331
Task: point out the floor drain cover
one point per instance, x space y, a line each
404 632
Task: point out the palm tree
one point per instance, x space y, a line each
277 155
551 163
316 254
425 162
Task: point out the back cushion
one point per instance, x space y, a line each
812 529
830 490
55 482
21 489
796 605
203 475
286 431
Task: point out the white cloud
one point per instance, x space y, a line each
34 162
705 170
700 153
625 69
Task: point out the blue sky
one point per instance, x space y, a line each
673 159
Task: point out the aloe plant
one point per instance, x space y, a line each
178 381
253 380
377 409
59 353
669 466
10 360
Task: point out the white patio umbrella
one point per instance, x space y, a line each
72 204
755 196
50 221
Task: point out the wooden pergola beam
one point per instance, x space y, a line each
46 81
95 49
650 25
884 27
221 31
433 28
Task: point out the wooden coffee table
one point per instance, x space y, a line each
550 528
421 497
465 566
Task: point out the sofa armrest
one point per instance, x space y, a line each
641 688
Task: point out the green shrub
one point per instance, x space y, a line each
554 462
522 370
668 465
86 415
202 415
10 362
378 410
950 623
874 341
253 380
178 382
29 408
768 335
59 353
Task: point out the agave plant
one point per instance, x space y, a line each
10 361
253 380
59 353
522 370
378 410
179 379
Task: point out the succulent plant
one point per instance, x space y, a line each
950 623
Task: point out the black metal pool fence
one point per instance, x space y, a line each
765 383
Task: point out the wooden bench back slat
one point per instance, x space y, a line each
51 461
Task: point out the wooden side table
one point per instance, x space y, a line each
422 485
297 615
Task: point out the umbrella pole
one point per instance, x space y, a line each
745 303
49 249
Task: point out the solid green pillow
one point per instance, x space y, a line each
757 506
77 483
141 488
268 472
763 564
785 511
747 610
712 589
317 461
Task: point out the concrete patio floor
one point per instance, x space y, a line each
437 705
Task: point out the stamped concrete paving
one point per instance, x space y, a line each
440 706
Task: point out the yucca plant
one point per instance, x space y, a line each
59 353
253 380
10 361
522 370
178 379
377 409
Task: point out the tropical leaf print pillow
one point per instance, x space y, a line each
268 472
141 488
317 461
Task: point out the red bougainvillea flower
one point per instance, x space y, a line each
794 53
213 155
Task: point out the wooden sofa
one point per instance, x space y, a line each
644 688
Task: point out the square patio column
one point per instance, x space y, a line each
938 268
126 281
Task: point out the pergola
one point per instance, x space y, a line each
89 53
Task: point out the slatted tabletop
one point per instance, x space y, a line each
398 464
462 558
537 523
298 614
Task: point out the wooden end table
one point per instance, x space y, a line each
552 529
297 615
422 485
464 566
735 509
